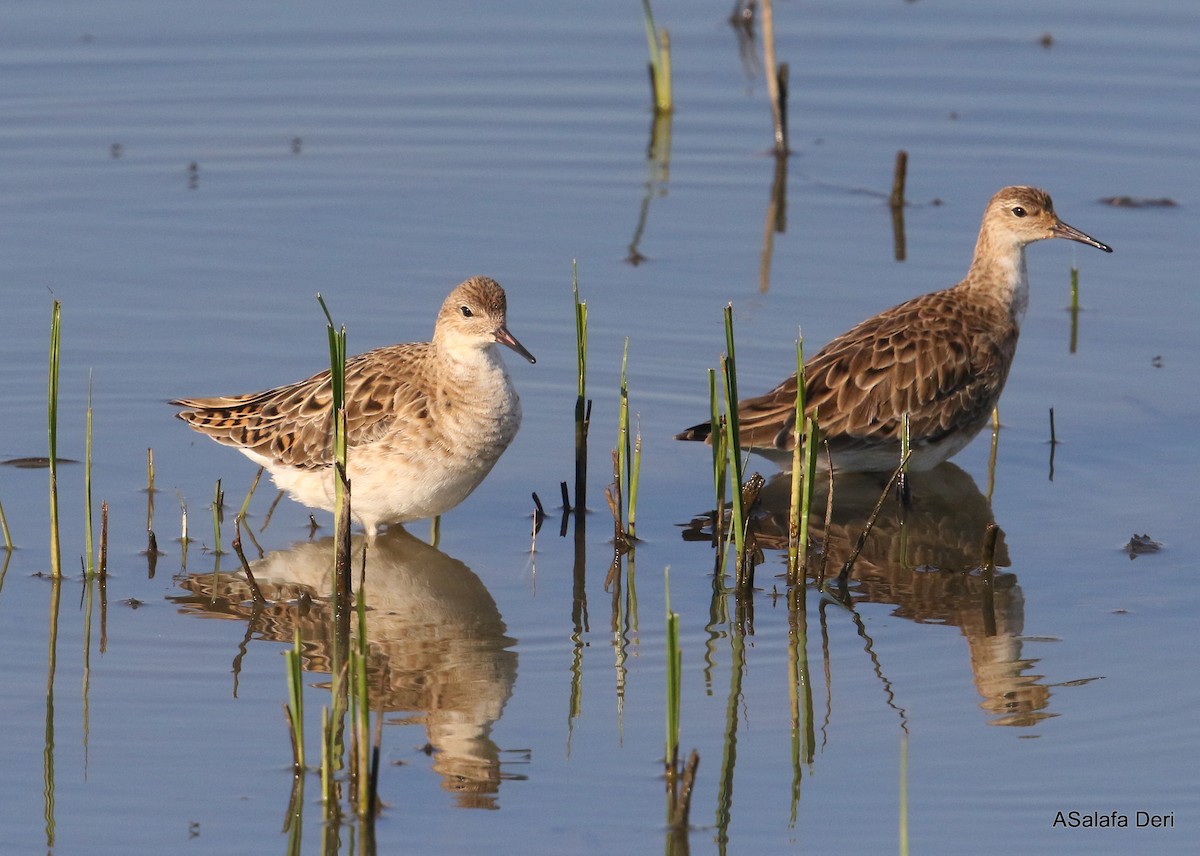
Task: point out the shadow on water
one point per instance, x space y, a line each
438 649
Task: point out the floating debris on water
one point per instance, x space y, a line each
34 463
1139 202
1140 544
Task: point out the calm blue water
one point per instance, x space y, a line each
381 154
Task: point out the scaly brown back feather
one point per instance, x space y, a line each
293 424
942 361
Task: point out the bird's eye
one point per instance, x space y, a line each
466 312
1019 211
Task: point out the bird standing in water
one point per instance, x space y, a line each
425 422
941 358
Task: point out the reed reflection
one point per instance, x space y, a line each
658 176
438 647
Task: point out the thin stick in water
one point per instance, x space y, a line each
776 79
250 494
103 564
899 176
862 538
255 591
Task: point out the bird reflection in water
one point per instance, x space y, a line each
925 559
438 648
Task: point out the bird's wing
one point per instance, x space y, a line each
939 360
293 424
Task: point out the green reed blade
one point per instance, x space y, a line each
634 476
337 380
582 407
241 515
795 542
52 430
734 459
623 440
217 504
674 673
812 439
716 434
89 545
733 436
659 44
580 333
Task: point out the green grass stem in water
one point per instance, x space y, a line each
150 498
337 368
623 440
1074 343
733 436
580 334
89 545
328 784
720 457
629 455
581 403
52 430
812 442
342 661
674 673
796 544
804 477
729 442
241 515
342 500
634 478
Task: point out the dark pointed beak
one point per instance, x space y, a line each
504 337
1062 230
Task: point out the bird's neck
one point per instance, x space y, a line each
473 363
998 273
